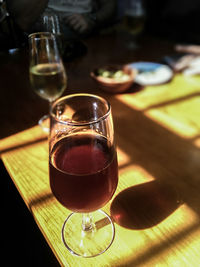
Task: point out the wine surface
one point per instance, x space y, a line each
83 172
48 80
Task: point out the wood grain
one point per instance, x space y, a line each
157 203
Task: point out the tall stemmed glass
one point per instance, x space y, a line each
51 23
47 73
83 170
134 20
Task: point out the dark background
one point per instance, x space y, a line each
22 243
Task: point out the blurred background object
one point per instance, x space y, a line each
11 37
134 20
176 20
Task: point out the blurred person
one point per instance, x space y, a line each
77 17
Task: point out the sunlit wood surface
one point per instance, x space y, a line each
156 207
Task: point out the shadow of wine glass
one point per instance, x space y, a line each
144 205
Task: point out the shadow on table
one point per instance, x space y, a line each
144 205
18 146
173 161
41 199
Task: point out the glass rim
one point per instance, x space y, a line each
43 34
74 123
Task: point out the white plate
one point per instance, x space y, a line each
150 73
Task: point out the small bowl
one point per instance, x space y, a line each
112 85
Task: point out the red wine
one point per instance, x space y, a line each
83 172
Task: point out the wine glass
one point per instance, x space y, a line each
47 73
134 20
83 170
51 23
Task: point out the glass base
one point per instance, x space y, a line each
44 123
92 241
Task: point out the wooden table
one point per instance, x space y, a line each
157 203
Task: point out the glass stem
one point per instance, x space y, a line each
50 104
87 224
